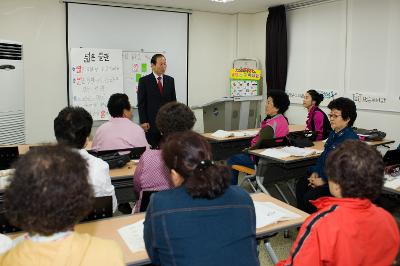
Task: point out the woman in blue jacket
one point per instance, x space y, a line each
315 185
203 220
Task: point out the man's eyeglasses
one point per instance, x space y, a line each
333 116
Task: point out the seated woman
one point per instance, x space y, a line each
151 173
315 184
348 229
203 221
48 195
72 128
119 132
275 125
317 120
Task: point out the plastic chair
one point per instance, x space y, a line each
250 176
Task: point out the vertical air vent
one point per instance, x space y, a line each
10 51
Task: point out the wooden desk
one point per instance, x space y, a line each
223 148
271 170
121 178
107 228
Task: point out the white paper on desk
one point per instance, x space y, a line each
392 182
269 213
245 133
275 153
299 152
222 134
133 236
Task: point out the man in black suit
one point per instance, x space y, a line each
155 90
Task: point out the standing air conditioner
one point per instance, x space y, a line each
12 99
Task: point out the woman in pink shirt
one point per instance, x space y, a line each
151 173
317 120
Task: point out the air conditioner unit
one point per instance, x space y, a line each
12 99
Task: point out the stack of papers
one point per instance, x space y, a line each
269 213
296 151
289 151
245 133
275 153
133 236
226 134
222 134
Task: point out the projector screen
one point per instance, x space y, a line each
132 30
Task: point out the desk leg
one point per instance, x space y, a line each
270 251
260 169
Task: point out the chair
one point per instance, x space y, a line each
102 208
251 173
145 200
134 153
250 176
7 156
5 226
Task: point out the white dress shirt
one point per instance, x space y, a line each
156 77
99 177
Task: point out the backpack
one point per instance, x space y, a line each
369 134
326 130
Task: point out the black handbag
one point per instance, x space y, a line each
301 139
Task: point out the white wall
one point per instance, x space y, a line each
215 41
40 26
212 49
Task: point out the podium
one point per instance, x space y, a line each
231 113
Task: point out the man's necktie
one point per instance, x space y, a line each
159 85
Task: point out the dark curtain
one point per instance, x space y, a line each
276 49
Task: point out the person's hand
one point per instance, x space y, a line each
315 181
145 126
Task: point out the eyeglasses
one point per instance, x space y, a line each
333 116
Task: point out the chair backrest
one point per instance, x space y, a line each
275 142
134 153
7 156
102 208
391 157
5 226
145 200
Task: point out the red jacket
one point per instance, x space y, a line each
345 231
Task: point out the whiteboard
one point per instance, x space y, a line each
135 65
316 49
373 54
346 48
133 30
95 74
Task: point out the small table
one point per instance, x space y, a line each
283 169
121 178
223 148
107 229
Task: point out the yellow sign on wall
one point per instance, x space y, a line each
245 74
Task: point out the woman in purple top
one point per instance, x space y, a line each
317 120
151 173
